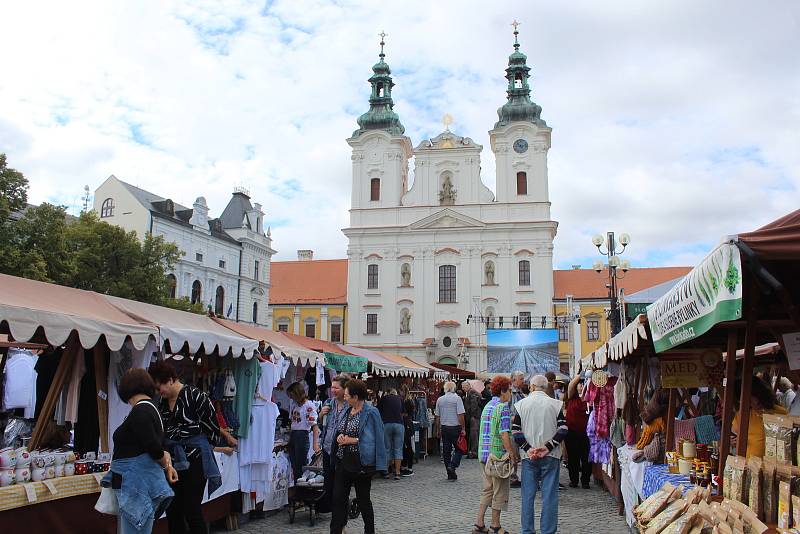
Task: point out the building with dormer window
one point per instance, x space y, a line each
421 259
226 261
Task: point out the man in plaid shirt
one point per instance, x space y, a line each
495 440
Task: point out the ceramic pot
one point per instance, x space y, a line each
69 469
71 457
23 457
82 467
37 474
50 472
23 474
7 477
59 471
684 466
8 458
689 449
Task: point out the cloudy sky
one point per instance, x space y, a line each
675 121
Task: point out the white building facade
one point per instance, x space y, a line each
226 261
423 259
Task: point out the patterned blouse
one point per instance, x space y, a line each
349 427
194 414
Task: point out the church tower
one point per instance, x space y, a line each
520 138
380 150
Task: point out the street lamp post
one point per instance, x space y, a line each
614 263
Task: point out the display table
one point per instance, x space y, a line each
57 488
657 475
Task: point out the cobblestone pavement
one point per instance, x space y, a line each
427 503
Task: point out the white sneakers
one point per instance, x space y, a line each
310 477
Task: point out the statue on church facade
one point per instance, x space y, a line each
405 321
488 270
405 275
447 196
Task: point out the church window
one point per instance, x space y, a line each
255 313
172 286
375 189
198 256
518 81
447 283
197 290
219 301
256 269
380 90
372 323
221 264
522 183
107 209
372 276
524 273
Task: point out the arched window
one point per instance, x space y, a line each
255 313
380 90
522 183
107 209
219 302
172 286
518 81
524 273
197 291
372 276
447 283
375 189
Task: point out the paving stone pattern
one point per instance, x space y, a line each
427 503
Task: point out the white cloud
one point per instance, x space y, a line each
676 122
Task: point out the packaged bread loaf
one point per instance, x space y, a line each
770 490
652 505
783 439
784 504
752 524
771 425
737 480
754 488
666 517
683 524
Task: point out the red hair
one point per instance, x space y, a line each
499 384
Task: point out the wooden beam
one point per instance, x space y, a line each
71 351
100 353
750 334
727 400
670 442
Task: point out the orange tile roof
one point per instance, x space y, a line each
308 282
588 284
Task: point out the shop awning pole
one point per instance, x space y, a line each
747 368
727 398
100 353
71 352
671 418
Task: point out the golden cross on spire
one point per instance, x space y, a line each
447 120
516 26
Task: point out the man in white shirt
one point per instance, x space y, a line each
450 422
539 427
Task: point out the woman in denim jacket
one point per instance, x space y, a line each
359 452
140 463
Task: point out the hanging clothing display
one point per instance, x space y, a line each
120 362
599 447
73 390
19 389
255 450
280 481
245 375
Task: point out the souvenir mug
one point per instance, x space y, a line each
50 472
37 474
37 459
69 469
91 456
23 474
23 457
49 458
104 456
59 471
7 477
71 457
82 467
61 458
8 458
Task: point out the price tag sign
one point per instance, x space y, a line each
30 492
52 487
102 394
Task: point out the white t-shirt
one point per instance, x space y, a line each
303 417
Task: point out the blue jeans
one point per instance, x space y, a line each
543 471
126 527
298 451
393 439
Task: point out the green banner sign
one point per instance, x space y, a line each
345 364
711 293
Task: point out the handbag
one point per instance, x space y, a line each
107 503
461 443
498 467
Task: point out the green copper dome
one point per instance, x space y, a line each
381 115
520 107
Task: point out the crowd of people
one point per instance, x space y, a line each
514 428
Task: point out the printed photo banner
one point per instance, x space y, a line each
711 293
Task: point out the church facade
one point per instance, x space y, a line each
423 259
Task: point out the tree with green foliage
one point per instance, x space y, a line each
13 189
185 304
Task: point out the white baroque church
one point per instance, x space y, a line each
423 259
